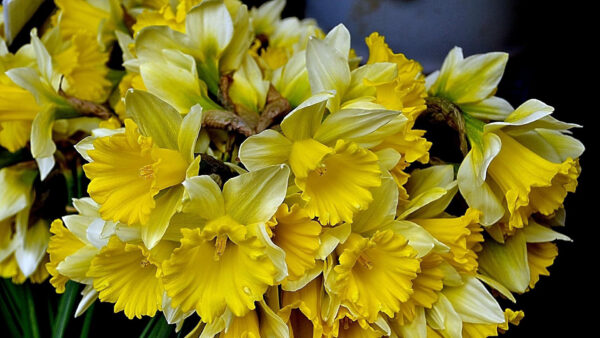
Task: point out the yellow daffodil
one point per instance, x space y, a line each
99 19
407 91
328 70
18 106
518 262
297 235
83 65
334 174
461 234
262 322
471 83
209 38
159 154
166 15
128 274
237 266
536 181
383 259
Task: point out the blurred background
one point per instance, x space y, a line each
551 59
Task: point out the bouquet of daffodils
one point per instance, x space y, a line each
219 165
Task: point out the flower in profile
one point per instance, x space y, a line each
128 168
127 171
334 173
237 266
508 171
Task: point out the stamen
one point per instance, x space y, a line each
345 323
147 172
144 263
220 245
321 170
365 261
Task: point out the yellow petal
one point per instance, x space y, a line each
14 135
298 235
367 263
124 275
407 91
17 103
426 286
62 244
461 234
530 183
83 65
539 257
235 272
340 184
127 172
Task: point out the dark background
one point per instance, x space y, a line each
552 60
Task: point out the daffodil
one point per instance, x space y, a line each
262 322
209 38
471 83
329 70
292 230
237 266
518 261
22 245
334 173
375 250
19 106
461 234
166 15
83 64
462 306
99 19
127 274
407 91
159 155
541 171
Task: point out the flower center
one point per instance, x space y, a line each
365 261
321 169
147 172
144 263
220 245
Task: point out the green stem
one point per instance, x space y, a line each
87 322
148 327
8 318
33 323
65 309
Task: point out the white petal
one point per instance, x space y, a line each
255 196
474 303
33 249
506 263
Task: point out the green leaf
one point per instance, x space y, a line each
65 309
33 323
87 322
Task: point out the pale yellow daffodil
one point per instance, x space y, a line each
238 264
334 173
160 155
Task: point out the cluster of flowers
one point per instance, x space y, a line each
253 172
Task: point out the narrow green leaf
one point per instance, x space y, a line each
65 309
144 333
161 329
87 321
5 309
33 323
